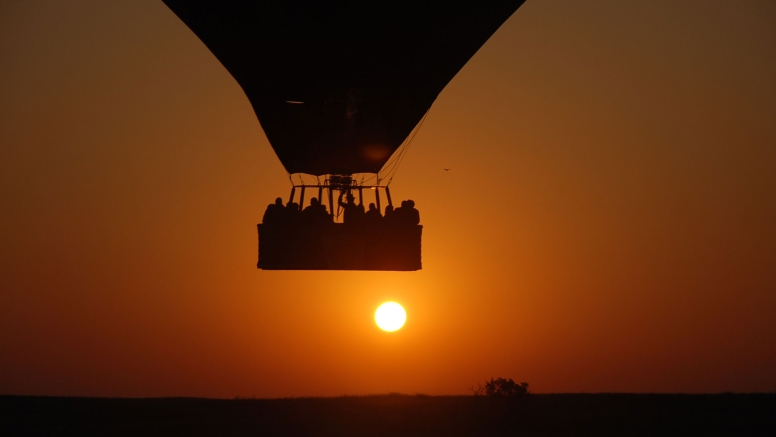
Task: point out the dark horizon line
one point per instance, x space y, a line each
395 394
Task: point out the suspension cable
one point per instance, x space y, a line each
393 168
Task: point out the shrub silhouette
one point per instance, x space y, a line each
501 387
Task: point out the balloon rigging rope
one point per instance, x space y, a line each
393 165
390 166
403 153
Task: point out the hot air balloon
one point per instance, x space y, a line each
339 87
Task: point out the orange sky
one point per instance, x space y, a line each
607 225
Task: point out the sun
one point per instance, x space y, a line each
390 316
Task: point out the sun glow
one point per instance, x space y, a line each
390 316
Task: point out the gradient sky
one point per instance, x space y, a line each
607 225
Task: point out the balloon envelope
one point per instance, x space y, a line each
339 85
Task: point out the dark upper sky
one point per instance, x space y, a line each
607 224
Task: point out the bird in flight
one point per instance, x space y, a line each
447 169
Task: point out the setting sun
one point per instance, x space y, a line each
390 316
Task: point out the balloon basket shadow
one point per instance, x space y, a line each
339 246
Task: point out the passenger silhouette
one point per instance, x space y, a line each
353 213
373 215
308 214
400 214
291 215
413 215
274 212
406 214
315 213
388 218
322 213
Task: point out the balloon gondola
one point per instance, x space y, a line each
338 88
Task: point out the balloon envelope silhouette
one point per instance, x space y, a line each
339 85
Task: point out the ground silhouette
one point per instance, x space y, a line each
392 415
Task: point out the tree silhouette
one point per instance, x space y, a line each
501 387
